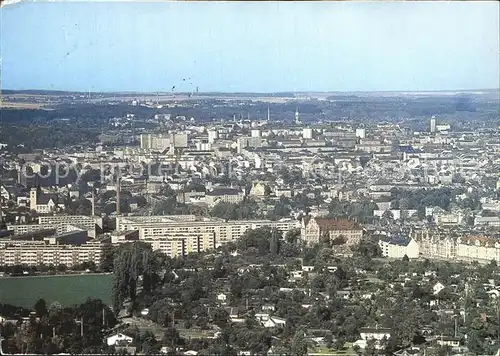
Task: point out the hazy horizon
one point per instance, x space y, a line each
237 47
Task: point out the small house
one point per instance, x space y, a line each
119 339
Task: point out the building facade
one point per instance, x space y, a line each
315 229
222 232
398 248
467 248
32 253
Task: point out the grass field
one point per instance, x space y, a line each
19 105
67 290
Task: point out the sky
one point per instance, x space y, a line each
250 46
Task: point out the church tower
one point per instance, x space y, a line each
33 198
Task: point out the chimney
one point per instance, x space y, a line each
117 195
93 202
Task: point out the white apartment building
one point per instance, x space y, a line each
226 195
62 223
182 244
482 249
223 232
376 334
398 248
88 222
478 248
444 219
438 247
493 221
160 142
21 229
171 245
40 252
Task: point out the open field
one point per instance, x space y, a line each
20 105
67 290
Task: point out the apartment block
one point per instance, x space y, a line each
398 248
222 231
182 244
62 223
467 248
42 252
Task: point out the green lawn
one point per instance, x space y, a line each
67 289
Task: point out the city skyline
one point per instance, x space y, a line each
250 47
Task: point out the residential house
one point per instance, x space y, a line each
411 351
258 189
119 339
268 307
377 334
450 341
493 293
268 321
319 336
221 298
438 287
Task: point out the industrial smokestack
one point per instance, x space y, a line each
117 196
93 202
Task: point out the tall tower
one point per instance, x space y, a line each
297 118
268 114
33 198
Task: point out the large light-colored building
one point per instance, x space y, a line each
226 195
19 229
182 244
172 245
87 222
376 334
478 248
258 189
432 124
33 253
307 133
317 228
398 248
213 135
61 223
490 221
468 248
244 142
161 142
435 244
360 133
446 219
222 232
155 142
